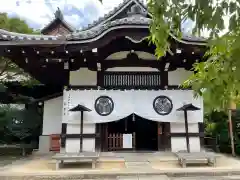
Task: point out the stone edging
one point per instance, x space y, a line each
114 175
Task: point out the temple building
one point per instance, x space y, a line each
109 92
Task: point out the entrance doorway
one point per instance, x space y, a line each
146 134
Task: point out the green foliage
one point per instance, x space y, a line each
217 79
9 71
18 123
14 24
215 122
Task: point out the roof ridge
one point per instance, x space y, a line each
111 13
58 15
10 33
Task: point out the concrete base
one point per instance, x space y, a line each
44 144
108 167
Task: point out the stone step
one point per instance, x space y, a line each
154 177
137 163
127 177
236 177
149 177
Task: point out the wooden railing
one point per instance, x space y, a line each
131 79
115 142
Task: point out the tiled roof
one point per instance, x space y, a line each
121 6
133 21
99 27
12 36
95 31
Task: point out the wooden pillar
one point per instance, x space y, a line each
159 136
167 137
186 130
104 137
201 132
81 132
63 135
98 138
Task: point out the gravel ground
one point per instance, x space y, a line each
6 160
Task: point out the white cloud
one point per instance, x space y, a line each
34 12
110 4
38 13
41 12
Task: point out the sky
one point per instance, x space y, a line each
78 13
38 13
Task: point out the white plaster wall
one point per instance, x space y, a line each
180 127
52 116
134 69
179 143
127 102
83 76
75 128
123 54
44 144
73 145
178 76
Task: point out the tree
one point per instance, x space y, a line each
18 123
22 123
217 79
9 71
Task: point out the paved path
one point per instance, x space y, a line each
149 177
207 178
163 177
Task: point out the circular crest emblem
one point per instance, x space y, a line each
162 105
104 105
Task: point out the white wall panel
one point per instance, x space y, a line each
127 102
180 128
178 76
133 69
73 145
179 143
75 128
52 116
83 76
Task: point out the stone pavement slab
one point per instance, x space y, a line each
149 177
135 177
154 177
207 178
233 177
